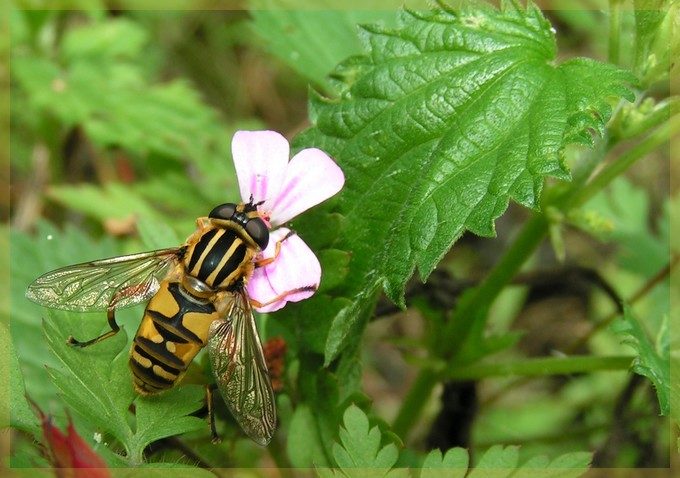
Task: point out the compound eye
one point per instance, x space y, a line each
257 229
223 211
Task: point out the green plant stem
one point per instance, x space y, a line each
414 401
541 367
614 31
621 164
473 305
661 113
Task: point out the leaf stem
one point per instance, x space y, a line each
543 366
472 308
414 402
621 164
614 31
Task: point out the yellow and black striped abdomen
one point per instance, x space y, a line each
220 258
174 329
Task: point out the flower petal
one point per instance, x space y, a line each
311 178
260 289
296 267
260 158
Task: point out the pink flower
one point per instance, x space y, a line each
286 188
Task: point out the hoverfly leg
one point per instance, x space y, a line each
257 304
111 316
277 250
210 401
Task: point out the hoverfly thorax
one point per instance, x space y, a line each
222 255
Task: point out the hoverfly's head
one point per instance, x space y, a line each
245 216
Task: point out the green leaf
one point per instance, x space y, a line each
164 470
118 37
166 415
569 465
453 464
112 201
32 255
656 38
96 382
335 269
90 379
642 249
500 462
359 445
653 359
20 414
156 234
447 118
313 40
304 441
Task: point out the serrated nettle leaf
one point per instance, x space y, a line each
652 361
448 117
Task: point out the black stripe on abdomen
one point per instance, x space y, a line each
144 370
158 354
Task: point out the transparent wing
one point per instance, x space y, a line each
240 370
115 282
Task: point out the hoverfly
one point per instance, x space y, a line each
197 297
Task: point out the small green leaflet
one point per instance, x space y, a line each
653 359
359 455
444 120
